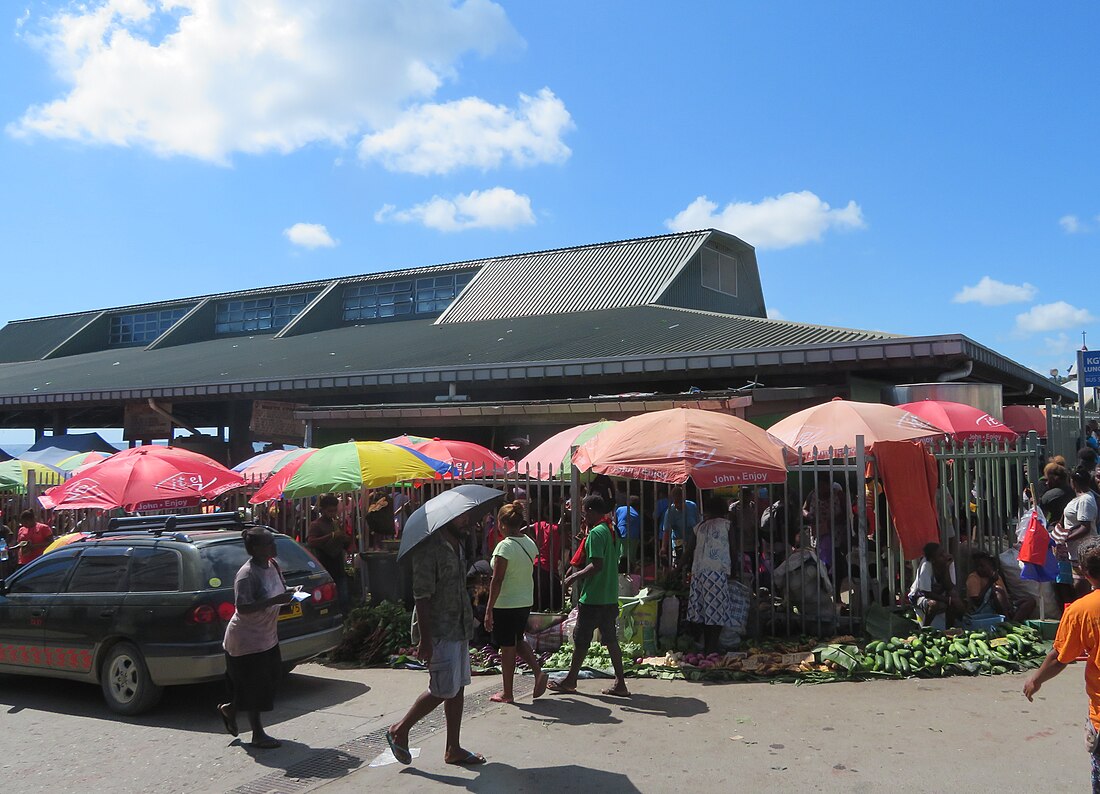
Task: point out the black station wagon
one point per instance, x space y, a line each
144 605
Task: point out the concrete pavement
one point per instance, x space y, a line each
977 734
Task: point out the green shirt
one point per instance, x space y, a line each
601 588
518 588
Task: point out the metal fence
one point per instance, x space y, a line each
810 554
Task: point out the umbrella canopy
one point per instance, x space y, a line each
14 475
262 466
144 478
82 459
345 467
465 458
551 457
964 423
830 427
710 448
51 450
65 540
441 509
1025 418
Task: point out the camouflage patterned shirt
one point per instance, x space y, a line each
439 574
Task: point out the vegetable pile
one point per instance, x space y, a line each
373 633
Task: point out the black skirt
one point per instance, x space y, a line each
253 678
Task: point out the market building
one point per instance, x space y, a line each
496 350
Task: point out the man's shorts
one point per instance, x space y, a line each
449 669
595 616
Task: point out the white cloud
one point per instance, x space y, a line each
774 222
990 292
437 139
309 235
775 314
1071 224
1052 317
495 208
207 78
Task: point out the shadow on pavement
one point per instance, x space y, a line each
299 760
187 708
495 777
656 705
568 711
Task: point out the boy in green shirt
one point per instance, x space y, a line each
599 599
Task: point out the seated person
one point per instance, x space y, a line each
987 595
933 593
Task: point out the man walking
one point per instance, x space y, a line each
598 607
1079 633
446 622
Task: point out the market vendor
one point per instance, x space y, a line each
679 521
330 542
933 594
987 595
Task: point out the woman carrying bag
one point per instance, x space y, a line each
511 596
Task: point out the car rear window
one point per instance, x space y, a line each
221 561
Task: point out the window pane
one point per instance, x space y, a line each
45 575
99 573
154 570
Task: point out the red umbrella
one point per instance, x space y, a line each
144 478
964 423
710 448
1025 418
467 458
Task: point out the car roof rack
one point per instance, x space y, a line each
171 524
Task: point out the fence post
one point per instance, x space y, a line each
1034 465
861 516
574 491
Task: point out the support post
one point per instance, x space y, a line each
861 509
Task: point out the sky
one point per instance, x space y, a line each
917 168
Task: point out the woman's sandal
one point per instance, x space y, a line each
614 691
266 743
470 759
555 686
229 722
500 698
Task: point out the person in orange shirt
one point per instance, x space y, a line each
1078 635
33 537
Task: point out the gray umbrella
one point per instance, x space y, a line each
441 509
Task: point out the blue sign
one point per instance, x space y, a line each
1090 368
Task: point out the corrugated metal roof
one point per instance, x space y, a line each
30 339
586 278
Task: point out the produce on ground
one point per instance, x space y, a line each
373 633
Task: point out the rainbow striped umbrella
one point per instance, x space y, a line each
351 466
74 462
14 474
262 466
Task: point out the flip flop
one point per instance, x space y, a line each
555 686
229 722
266 744
402 754
499 698
616 692
470 759
541 683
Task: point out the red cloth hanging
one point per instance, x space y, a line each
910 479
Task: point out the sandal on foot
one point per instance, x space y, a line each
402 754
616 692
229 722
470 759
500 698
541 683
555 686
266 743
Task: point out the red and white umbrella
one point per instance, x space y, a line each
142 479
964 423
466 458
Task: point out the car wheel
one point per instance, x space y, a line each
127 686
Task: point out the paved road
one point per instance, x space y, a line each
961 733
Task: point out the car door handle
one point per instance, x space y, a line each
38 613
106 613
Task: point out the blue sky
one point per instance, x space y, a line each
883 157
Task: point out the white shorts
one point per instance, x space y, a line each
449 669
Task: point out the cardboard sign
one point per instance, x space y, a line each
274 422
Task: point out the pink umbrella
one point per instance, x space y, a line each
467 459
711 449
964 423
823 432
552 457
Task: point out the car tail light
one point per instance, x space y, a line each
203 613
226 611
324 593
